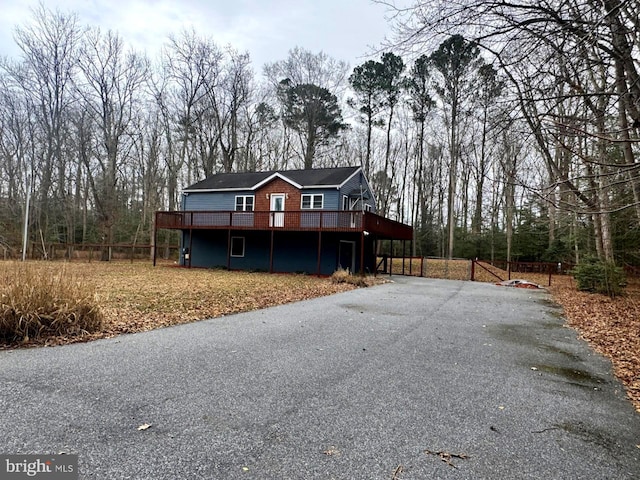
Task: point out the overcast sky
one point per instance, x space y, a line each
346 30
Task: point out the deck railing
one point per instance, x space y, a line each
299 220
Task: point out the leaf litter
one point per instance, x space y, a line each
610 326
137 297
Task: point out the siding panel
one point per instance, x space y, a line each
353 185
212 200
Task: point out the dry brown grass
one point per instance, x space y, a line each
433 268
135 297
344 276
39 301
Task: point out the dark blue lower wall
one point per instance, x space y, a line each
292 251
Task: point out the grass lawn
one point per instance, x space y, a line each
135 297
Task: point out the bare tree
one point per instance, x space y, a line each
228 100
456 60
49 56
304 67
191 67
109 88
589 49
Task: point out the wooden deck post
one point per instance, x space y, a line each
155 238
190 245
319 250
229 249
404 248
271 254
411 257
362 252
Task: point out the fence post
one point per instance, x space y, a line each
473 270
404 244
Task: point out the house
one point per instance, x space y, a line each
312 221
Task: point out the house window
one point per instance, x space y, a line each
312 201
244 203
237 246
345 203
367 207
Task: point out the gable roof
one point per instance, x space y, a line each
314 178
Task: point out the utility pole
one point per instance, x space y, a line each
26 223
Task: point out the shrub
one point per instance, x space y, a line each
343 276
594 275
38 300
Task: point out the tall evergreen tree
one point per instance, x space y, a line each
313 112
421 102
456 60
367 82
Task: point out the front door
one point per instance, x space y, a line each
277 210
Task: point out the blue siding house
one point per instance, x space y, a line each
312 221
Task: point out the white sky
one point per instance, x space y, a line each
346 30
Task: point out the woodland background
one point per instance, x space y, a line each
499 130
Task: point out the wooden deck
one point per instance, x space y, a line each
299 220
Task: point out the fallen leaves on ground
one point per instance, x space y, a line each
139 297
396 473
431 268
446 456
331 451
611 326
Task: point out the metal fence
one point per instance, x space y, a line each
88 252
465 269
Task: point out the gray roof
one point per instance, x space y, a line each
320 177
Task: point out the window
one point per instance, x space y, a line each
312 201
237 246
367 207
345 203
244 203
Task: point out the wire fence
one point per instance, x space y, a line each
88 252
475 270
430 267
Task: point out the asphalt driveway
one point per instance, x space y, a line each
377 383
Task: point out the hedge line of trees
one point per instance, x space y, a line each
498 129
